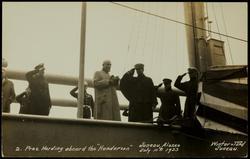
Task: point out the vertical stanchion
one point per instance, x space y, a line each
81 63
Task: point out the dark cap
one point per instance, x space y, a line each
192 69
139 66
166 80
40 66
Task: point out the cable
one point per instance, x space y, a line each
216 20
230 52
165 18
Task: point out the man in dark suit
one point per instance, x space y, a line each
170 102
141 94
39 87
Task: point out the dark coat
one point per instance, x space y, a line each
8 95
191 89
40 96
141 95
170 104
24 100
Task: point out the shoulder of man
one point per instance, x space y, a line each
9 82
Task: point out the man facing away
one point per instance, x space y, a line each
140 93
106 101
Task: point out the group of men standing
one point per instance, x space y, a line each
139 91
36 97
142 95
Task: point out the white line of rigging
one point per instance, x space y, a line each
169 19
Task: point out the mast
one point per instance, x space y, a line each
196 38
80 98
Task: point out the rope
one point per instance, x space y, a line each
230 53
146 33
129 43
169 19
208 35
216 20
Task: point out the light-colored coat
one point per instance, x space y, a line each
106 101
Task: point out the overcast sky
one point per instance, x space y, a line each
49 32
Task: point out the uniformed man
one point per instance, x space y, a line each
88 101
191 90
170 102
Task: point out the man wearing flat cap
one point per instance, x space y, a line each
106 101
191 90
40 102
170 102
140 93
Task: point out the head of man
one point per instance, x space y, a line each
40 69
193 73
4 62
106 66
3 72
167 83
85 85
139 69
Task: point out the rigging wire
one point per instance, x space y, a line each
130 40
162 57
217 25
138 33
153 35
208 22
196 62
169 19
143 34
159 40
229 47
146 32
176 40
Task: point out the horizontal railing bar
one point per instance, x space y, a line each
73 103
63 80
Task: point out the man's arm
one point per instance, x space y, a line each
99 82
12 93
178 83
73 92
29 75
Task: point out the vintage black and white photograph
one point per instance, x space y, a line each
124 79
